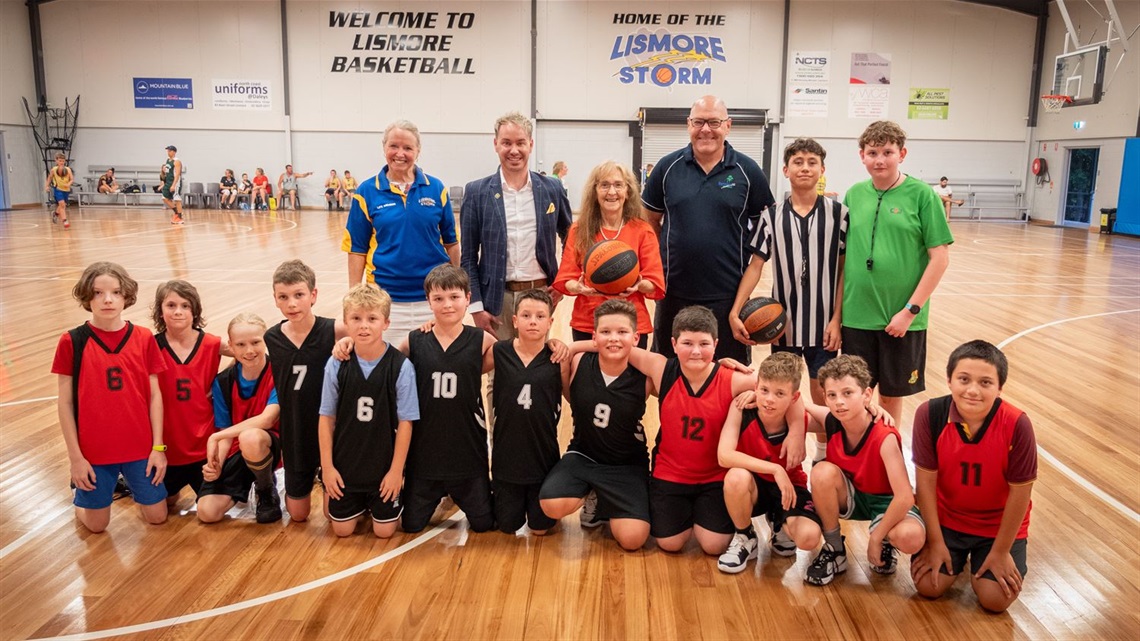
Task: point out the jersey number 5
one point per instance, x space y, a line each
182 389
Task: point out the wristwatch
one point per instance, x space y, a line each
913 309
159 448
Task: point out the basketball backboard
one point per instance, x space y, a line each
1080 74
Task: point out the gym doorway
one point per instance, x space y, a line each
1080 185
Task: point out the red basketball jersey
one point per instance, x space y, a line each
187 411
112 392
756 442
242 408
863 463
973 481
691 421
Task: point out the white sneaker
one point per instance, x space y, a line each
740 551
589 514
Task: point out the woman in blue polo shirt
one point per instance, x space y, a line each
400 226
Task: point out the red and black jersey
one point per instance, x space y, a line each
691 421
241 407
187 411
111 390
755 441
975 470
863 462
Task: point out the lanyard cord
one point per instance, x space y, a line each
875 224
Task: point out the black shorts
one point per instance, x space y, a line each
179 476
330 192
977 548
768 502
353 504
726 345
676 507
236 478
898 365
623 490
472 495
815 357
299 481
517 503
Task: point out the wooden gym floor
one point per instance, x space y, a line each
1064 304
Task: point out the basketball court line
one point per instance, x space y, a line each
1065 469
30 534
273 596
29 400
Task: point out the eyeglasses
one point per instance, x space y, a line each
713 123
606 186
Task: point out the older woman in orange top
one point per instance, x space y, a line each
611 210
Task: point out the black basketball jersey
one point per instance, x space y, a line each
298 373
528 405
366 421
607 419
449 442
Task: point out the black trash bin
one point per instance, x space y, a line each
1107 220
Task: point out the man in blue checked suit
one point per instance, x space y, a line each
510 222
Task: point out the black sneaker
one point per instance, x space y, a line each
890 560
268 505
828 564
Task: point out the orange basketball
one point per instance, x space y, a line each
664 75
764 319
611 267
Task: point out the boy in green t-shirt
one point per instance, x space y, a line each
897 250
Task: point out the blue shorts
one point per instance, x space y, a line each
134 473
60 195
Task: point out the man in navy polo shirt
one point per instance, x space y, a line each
705 201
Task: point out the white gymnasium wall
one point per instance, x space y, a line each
984 55
578 78
96 49
493 55
1107 124
25 171
582 146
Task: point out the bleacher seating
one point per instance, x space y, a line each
995 198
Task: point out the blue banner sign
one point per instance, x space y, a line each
164 93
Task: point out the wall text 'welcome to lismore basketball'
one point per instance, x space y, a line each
672 58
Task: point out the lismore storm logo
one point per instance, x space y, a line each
665 59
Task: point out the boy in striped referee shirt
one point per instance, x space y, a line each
804 239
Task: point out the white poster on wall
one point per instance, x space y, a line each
870 69
868 101
807 101
810 67
242 95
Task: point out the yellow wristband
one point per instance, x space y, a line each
159 448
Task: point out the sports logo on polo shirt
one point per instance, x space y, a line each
663 59
727 183
427 201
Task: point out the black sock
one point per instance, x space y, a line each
748 531
262 472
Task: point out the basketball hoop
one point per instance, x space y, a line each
1054 104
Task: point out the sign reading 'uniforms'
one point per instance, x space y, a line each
663 57
399 32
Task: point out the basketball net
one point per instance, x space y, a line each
1054 104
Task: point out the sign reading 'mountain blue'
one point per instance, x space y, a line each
164 93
